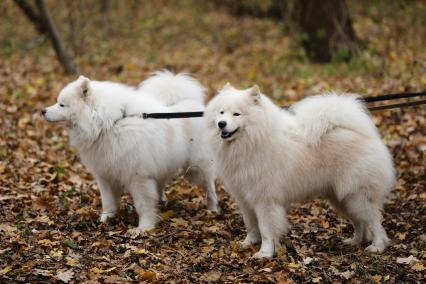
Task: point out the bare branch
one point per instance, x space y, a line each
63 57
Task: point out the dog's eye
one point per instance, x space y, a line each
236 114
221 112
61 105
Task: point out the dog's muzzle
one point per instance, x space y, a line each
226 135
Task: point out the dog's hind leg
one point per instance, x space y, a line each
359 226
145 198
273 224
368 216
110 197
204 179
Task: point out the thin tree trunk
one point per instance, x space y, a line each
44 24
31 15
63 57
327 29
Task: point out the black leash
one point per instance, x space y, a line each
416 103
393 97
168 115
172 115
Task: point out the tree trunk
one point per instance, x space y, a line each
43 23
31 15
51 30
327 28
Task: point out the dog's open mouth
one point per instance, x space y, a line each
226 135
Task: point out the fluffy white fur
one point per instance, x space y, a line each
138 155
323 146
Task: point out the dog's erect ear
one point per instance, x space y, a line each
227 86
255 94
84 83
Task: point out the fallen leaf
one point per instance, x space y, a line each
140 252
147 275
65 276
377 278
418 267
406 260
347 274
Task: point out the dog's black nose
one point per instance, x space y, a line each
43 111
221 124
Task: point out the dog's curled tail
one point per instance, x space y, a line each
172 88
321 114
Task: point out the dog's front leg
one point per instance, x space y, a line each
272 221
250 222
110 197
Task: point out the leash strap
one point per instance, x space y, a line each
168 115
172 115
393 97
416 103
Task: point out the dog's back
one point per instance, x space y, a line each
320 114
172 88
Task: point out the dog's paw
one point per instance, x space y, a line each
375 249
244 245
263 254
352 241
106 216
213 208
248 241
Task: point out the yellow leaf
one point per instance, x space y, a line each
5 270
282 250
418 267
206 249
56 253
251 74
129 66
209 241
30 89
40 81
112 233
167 215
71 261
377 278
179 222
293 265
147 275
325 224
401 236
44 242
140 251
96 270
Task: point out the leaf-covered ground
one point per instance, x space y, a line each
49 203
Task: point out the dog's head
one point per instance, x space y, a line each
230 113
70 101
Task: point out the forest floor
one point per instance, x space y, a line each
49 203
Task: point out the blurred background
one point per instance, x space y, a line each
291 48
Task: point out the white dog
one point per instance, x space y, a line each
128 152
323 146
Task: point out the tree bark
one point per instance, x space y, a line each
51 30
31 15
44 24
327 29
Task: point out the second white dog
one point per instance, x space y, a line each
324 146
127 152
